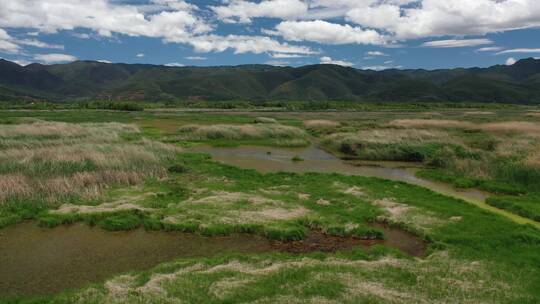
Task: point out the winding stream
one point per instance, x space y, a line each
267 159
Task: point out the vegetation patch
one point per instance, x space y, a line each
265 133
526 205
80 164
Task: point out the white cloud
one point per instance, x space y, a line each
455 43
490 49
381 67
372 22
242 44
54 58
375 53
441 18
277 63
6 43
39 44
12 45
285 56
103 61
174 64
243 11
328 33
328 60
195 58
517 51
511 61
140 55
173 21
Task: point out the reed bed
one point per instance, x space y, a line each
239 132
431 123
321 124
48 163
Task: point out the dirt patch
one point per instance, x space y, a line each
413 217
355 191
394 209
303 196
323 202
124 204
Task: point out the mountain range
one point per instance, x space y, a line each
90 80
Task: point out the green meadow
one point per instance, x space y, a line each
131 170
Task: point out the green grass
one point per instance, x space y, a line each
505 253
526 205
464 182
475 256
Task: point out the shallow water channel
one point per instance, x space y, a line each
267 159
38 261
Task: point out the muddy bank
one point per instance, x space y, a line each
393 237
38 261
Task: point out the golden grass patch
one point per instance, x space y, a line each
520 127
431 123
321 124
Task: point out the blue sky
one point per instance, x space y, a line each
366 34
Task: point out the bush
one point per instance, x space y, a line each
177 168
128 221
297 158
111 105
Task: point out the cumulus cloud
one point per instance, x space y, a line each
511 61
173 21
327 33
140 55
328 60
6 43
39 44
12 45
242 44
243 11
335 22
441 18
54 58
413 19
455 43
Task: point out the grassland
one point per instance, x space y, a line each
122 171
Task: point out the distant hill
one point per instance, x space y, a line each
83 80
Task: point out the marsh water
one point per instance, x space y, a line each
315 159
38 261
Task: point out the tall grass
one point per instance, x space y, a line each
239 132
44 164
261 133
392 144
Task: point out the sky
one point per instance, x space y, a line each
365 34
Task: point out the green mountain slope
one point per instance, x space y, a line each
83 80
